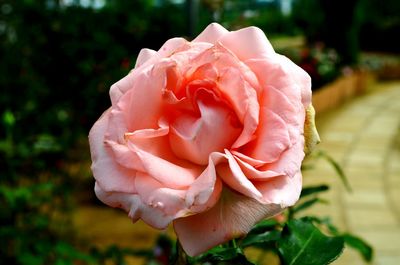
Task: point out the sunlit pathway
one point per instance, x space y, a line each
364 137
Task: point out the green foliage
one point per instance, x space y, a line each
362 24
267 17
57 65
223 255
353 241
379 25
313 190
319 22
303 244
261 240
360 245
336 167
69 57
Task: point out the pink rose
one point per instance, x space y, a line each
208 134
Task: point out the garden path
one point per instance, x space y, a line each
364 137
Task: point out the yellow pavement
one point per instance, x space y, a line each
363 136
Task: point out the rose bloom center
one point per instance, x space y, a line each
201 122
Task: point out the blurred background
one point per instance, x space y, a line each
58 59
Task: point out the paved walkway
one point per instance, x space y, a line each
364 137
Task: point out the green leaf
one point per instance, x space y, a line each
264 225
8 118
352 241
303 244
260 240
360 245
337 168
46 143
30 259
233 256
306 204
218 253
66 252
327 222
313 189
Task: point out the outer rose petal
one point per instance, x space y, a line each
132 204
285 76
247 43
200 232
272 138
290 161
283 190
202 188
143 95
255 174
211 34
233 176
301 77
274 100
154 194
109 175
171 46
144 56
170 174
144 68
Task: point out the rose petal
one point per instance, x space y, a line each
173 45
148 133
132 204
290 161
301 77
277 102
233 176
144 96
247 43
203 187
195 139
272 138
211 33
144 56
249 160
284 190
208 204
244 101
200 232
108 174
173 174
253 173
285 76
124 156
154 194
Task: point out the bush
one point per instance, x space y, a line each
57 65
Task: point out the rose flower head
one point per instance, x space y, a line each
208 134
